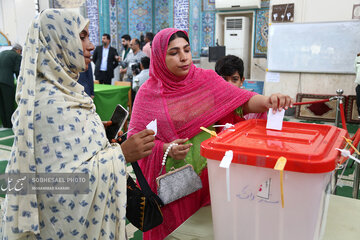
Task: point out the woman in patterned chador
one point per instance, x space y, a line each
58 131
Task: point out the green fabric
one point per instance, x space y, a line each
107 97
126 53
193 157
239 112
3 165
6 132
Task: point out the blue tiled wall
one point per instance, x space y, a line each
140 16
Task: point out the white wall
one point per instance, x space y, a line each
315 11
44 4
1 17
16 17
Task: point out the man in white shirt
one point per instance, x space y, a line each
105 58
143 75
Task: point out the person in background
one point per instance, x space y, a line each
106 60
125 41
87 80
357 81
132 58
143 75
142 41
58 132
9 65
184 98
231 69
149 36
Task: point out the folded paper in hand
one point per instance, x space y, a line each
152 126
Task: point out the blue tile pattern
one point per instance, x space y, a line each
93 16
195 27
104 18
261 32
181 14
208 5
195 16
113 24
208 29
162 15
122 18
140 17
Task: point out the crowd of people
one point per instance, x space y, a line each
57 129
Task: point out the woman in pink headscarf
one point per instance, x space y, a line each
183 98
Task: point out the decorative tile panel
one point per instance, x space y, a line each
181 14
208 5
122 20
140 17
162 15
195 26
93 16
261 32
208 29
113 24
104 19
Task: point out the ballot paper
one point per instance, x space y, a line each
153 126
275 120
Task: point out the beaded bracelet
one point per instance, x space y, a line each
166 154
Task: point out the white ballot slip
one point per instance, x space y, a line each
153 126
275 120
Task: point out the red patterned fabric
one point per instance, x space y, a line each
181 106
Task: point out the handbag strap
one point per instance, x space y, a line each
145 188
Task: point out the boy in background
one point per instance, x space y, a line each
231 68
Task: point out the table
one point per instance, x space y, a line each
106 97
342 222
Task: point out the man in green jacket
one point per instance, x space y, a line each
9 65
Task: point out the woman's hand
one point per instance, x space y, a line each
261 103
106 123
279 102
138 145
178 152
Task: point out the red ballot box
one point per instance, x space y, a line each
246 198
